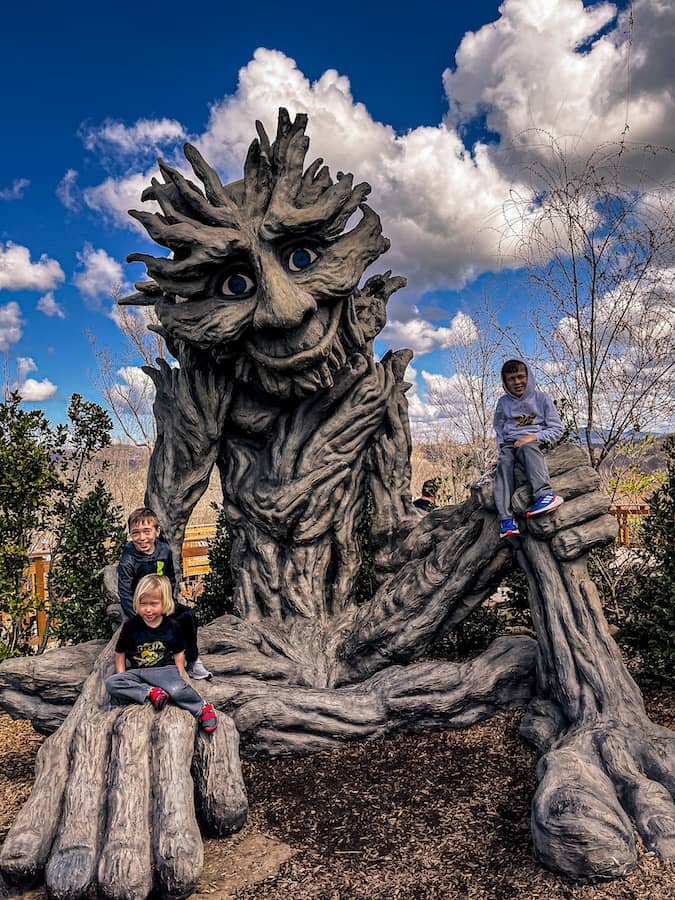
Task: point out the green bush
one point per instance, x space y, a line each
216 599
93 538
649 631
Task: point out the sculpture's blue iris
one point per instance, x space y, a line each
238 285
301 258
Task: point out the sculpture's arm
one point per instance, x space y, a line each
190 409
452 561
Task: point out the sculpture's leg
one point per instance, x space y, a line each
605 763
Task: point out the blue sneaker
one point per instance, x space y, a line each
544 504
507 528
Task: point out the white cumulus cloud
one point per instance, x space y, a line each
114 197
135 389
49 306
422 337
67 190
10 325
550 66
24 365
98 276
33 391
19 273
145 135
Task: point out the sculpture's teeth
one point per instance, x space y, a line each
178 299
338 357
325 376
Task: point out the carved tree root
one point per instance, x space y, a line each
278 720
605 763
112 809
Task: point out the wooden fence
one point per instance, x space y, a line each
196 556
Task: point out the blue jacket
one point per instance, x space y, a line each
133 565
533 413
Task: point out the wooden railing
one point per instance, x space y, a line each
627 517
196 555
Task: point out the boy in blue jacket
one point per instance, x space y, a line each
525 418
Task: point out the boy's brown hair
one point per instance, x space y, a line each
511 366
143 514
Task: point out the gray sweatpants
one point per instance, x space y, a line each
531 460
134 685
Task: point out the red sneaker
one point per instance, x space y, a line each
208 720
158 697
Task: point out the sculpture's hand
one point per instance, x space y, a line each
112 808
454 559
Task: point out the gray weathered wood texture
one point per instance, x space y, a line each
278 387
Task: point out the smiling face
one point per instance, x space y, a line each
516 382
144 535
262 276
150 608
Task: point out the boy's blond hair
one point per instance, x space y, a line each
151 583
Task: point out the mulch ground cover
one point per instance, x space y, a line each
440 815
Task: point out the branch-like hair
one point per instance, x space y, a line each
203 226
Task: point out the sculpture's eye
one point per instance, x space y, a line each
238 285
300 258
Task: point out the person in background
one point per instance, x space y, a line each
427 501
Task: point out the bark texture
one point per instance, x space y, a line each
279 388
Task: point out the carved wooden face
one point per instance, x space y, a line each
263 274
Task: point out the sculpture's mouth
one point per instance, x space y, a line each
301 348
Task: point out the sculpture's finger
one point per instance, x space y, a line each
570 484
71 871
219 784
647 801
573 512
574 542
26 848
125 868
177 845
578 825
658 757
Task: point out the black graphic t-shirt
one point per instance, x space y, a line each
148 647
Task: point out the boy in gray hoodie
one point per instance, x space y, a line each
525 418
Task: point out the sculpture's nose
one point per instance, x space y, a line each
281 303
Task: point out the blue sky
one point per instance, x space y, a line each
418 100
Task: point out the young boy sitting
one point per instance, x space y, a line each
525 418
150 658
146 554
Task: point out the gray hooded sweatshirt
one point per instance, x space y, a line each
533 413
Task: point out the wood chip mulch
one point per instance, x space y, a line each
438 815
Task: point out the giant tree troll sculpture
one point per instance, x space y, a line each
278 387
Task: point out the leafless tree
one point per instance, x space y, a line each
126 390
597 236
467 399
